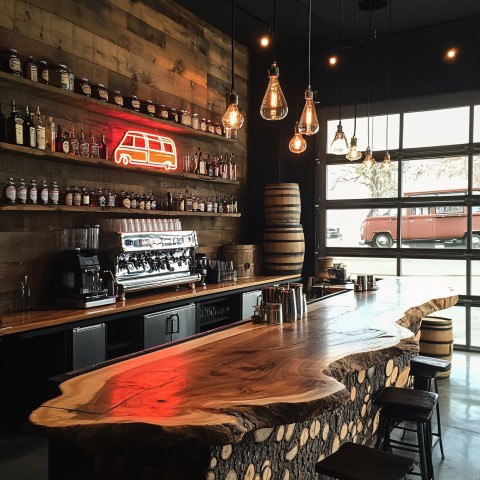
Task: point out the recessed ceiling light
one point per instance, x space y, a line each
332 60
265 40
450 55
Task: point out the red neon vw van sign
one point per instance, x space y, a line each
149 150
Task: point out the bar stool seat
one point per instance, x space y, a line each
357 462
416 406
424 370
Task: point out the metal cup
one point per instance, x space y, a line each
371 282
289 304
274 313
269 295
298 289
362 280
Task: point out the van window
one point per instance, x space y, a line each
139 142
154 145
449 209
168 147
128 141
382 212
420 211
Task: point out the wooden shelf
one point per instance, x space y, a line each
116 211
109 164
25 86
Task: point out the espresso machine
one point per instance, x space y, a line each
78 271
146 260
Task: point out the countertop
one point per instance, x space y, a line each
216 388
50 316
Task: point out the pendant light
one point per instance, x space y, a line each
232 120
308 124
355 154
386 164
274 106
339 144
297 144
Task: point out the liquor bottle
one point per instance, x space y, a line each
59 139
94 148
103 149
233 167
195 204
32 194
210 167
54 193
65 143
3 126
43 197
188 202
101 198
148 202
196 163
68 200
15 126
214 205
181 202
225 205
9 193
219 205
74 144
39 130
93 199
223 166
29 133
201 205
124 199
111 198
141 202
234 205
21 192
50 135
154 201
216 171
30 70
85 197
133 200
201 163
83 146
77 197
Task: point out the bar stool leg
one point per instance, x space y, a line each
422 441
381 433
439 424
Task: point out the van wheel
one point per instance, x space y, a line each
125 159
383 240
475 240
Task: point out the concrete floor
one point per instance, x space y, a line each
25 458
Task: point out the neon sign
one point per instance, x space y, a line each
147 149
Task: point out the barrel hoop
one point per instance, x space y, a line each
437 329
437 355
433 342
298 264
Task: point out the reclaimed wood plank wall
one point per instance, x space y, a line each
153 49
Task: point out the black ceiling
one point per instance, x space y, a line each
406 15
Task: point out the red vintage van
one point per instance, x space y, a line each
440 225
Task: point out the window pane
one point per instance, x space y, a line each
457 314
475 326
353 180
378 130
476 171
343 227
476 123
368 266
435 174
476 277
451 272
436 127
431 227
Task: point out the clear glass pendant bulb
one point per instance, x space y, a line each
353 153
232 118
297 144
386 162
339 146
274 106
368 161
308 124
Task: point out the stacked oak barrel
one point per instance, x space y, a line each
284 243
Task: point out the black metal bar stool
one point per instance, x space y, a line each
424 371
416 406
357 462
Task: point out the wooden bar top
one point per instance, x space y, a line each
216 388
51 316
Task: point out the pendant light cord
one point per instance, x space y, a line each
369 78
341 61
389 47
356 68
275 30
374 56
296 48
233 36
309 41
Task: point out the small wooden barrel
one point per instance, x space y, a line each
282 203
436 339
322 264
283 249
242 257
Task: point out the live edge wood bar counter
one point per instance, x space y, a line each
250 402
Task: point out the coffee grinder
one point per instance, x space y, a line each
78 272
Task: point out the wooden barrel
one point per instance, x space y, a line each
282 203
436 339
242 257
283 249
322 264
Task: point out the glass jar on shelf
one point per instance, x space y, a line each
195 121
11 62
132 102
100 92
59 77
147 107
82 87
162 112
43 72
115 98
203 125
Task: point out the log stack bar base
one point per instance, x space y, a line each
284 242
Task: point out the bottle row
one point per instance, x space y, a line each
221 165
49 194
59 75
39 131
